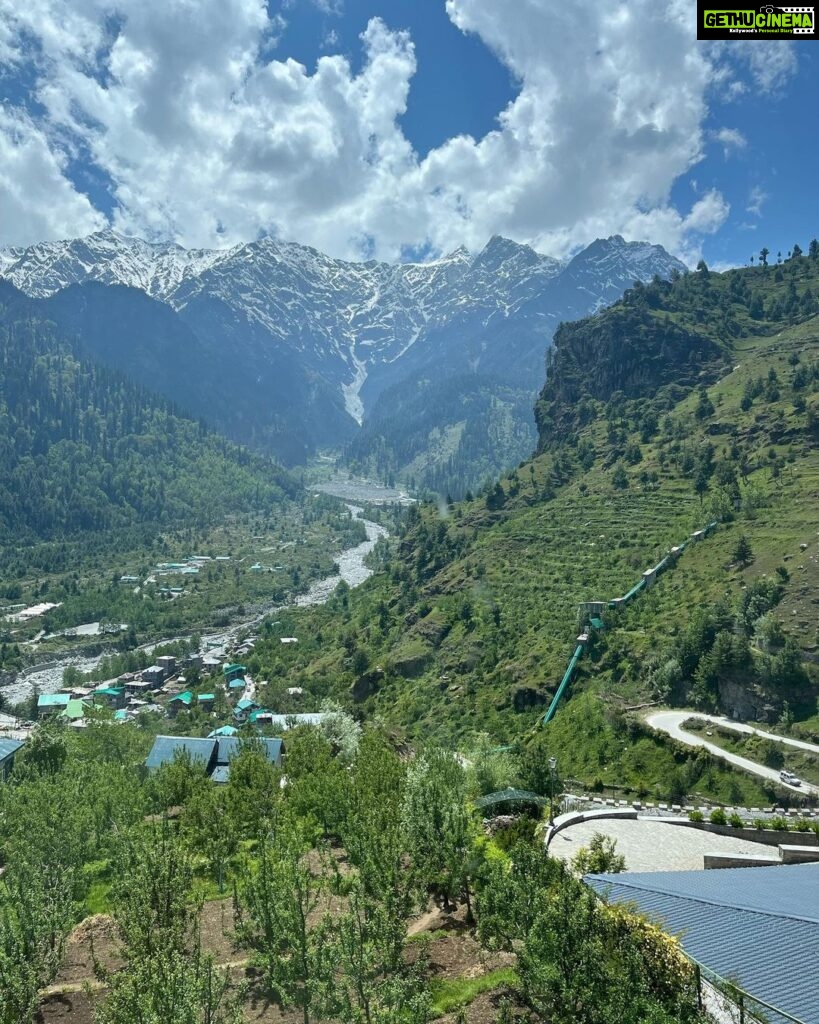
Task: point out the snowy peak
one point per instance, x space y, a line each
342 321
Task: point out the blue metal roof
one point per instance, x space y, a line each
225 730
166 748
221 773
9 747
758 927
229 747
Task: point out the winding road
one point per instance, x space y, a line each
670 722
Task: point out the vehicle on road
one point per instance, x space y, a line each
789 778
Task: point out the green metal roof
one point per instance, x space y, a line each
230 669
206 696
74 709
224 730
53 700
184 698
109 691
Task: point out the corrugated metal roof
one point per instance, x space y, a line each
229 747
221 773
9 747
166 748
53 700
758 927
225 730
285 722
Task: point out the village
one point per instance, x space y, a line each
215 686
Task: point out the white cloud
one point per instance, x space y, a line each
732 140
210 141
771 64
36 198
756 197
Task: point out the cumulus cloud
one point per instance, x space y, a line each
36 198
732 140
210 136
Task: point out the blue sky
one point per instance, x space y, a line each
393 128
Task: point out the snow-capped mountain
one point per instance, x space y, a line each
341 332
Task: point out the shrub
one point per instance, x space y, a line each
778 824
802 825
735 821
759 823
718 817
695 816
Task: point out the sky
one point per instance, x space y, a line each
402 129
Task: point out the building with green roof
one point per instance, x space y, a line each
233 672
52 703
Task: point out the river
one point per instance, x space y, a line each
49 679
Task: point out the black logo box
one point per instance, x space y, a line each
755 21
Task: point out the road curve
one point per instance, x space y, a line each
670 722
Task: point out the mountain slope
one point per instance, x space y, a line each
83 449
472 621
316 343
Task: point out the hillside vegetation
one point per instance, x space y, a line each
83 450
687 402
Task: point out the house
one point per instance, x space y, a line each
757 927
284 722
129 579
8 748
206 701
114 696
214 754
154 674
167 663
51 704
244 708
233 671
74 711
236 685
168 748
181 702
138 687
224 730
289 639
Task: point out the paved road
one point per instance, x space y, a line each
670 722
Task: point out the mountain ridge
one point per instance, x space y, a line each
339 333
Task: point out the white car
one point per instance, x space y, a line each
789 778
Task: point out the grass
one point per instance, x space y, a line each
469 627
452 993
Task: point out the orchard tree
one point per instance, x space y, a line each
365 988
439 826
278 905
166 977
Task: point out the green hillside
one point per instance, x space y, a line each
84 451
686 403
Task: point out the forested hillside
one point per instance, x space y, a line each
82 449
445 434
686 403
